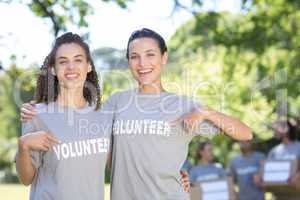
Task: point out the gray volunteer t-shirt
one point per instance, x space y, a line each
290 151
149 150
207 172
73 169
243 169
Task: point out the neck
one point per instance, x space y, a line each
247 153
204 162
153 88
285 140
71 98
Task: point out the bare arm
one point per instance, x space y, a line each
231 126
38 141
25 169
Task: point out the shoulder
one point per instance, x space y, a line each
42 107
191 100
274 150
195 169
117 97
218 166
297 144
258 155
236 159
124 93
186 103
277 147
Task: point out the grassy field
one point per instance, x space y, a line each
20 192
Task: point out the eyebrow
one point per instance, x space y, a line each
78 56
63 57
149 50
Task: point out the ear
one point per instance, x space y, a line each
165 58
89 68
53 71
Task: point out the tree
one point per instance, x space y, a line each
16 87
109 58
62 12
248 63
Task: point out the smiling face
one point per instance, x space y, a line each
245 146
207 153
280 129
146 61
71 66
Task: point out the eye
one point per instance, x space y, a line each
62 62
133 57
150 54
78 60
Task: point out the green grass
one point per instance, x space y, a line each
20 192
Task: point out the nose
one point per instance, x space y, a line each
71 65
143 62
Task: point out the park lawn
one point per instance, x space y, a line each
20 192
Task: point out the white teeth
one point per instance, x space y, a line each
145 71
71 75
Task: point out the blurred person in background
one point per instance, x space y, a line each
287 131
244 169
205 169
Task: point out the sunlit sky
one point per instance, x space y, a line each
30 37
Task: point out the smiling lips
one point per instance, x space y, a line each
144 72
71 76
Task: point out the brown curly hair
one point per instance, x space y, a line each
47 83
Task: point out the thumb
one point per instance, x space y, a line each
183 173
32 102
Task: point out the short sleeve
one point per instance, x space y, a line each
193 175
222 172
261 157
108 111
186 166
231 170
109 105
271 154
298 150
28 127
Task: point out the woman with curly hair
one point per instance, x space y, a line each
62 152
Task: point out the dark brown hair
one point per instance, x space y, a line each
147 33
47 83
202 146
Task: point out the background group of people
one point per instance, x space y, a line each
245 167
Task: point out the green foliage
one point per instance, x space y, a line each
109 58
244 64
17 86
63 12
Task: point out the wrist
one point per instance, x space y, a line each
23 146
209 114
